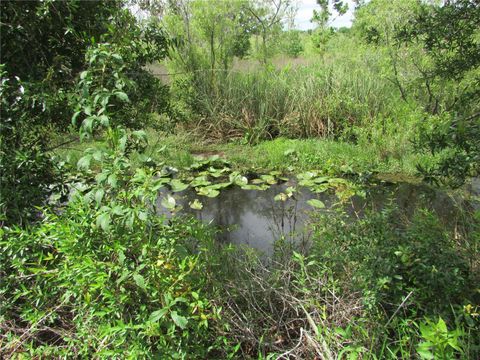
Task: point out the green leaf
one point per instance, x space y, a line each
269 179
121 257
158 314
178 185
103 221
316 203
140 281
179 320
238 179
142 215
84 162
140 135
424 351
219 186
74 117
280 197
112 180
168 202
205 191
104 121
306 175
122 96
200 181
321 180
99 196
196 205
442 326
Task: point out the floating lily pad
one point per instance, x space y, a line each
200 181
238 179
178 185
208 192
219 186
255 187
308 175
196 204
269 179
169 202
321 180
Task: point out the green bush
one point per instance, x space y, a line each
406 270
71 289
389 259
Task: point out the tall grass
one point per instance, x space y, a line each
318 98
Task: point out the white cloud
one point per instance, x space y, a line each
305 13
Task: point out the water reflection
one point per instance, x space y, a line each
255 219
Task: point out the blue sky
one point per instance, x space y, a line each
305 12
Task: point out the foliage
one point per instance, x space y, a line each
90 288
405 270
87 267
25 170
38 96
101 273
266 103
43 44
293 43
449 36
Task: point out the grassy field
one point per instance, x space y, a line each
286 155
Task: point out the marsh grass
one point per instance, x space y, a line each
318 100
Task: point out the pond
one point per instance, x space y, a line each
256 218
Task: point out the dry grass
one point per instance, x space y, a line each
286 309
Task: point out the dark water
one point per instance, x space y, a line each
255 219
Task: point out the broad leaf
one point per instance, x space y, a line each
316 203
179 320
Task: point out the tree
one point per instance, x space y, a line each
293 43
43 48
268 16
322 19
449 33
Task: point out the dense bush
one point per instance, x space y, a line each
405 270
44 44
71 289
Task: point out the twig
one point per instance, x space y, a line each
399 307
294 348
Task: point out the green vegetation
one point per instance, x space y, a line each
98 259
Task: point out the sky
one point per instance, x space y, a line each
303 16
305 13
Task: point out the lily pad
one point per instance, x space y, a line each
308 175
269 179
196 205
169 202
200 181
255 187
208 192
238 179
219 186
178 185
321 180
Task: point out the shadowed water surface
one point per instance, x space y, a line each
255 219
